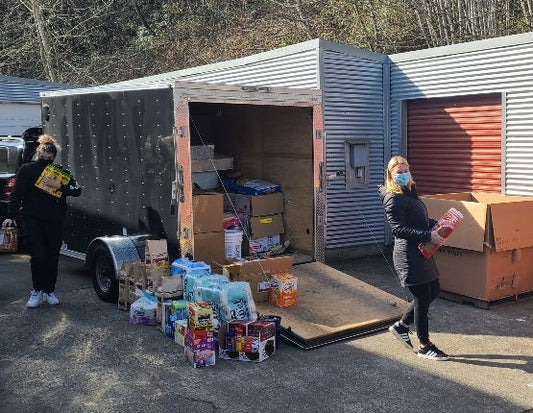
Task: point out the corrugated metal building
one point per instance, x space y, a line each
353 82
462 114
20 103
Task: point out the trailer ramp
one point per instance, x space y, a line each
333 306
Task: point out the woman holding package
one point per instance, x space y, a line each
407 217
43 210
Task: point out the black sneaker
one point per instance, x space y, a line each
402 334
432 352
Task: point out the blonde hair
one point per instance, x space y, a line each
390 185
47 144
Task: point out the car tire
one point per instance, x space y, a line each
103 275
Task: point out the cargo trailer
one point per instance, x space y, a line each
131 152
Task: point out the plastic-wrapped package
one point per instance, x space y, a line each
189 272
190 285
251 186
208 289
238 302
144 310
183 266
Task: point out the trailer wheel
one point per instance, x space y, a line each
104 279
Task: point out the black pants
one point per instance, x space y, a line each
417 312
43 241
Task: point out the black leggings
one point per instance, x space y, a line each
423 294
43 241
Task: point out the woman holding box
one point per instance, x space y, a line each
407 217
43 207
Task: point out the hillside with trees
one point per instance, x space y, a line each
102 41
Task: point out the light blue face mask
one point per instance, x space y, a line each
402 178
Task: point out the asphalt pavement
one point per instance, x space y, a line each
83 356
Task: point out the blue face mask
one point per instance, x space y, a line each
403 178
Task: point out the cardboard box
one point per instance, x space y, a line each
156 259
265 225
199 352
57 173
489 256
163 298
257 343
202 151
209 247
500 221
218 162
180 330
256 205
172 310
258 274
487 275
200 315
263 244
207 212
126 291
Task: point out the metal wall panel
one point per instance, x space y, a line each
293 66
501 65
295 71
353 99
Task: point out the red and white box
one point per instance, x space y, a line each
445 226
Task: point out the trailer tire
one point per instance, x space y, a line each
104 278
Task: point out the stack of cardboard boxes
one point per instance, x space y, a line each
262 219
489 256
199 338
208 235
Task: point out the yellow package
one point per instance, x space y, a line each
57 174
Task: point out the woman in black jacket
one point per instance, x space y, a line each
43 214
407 216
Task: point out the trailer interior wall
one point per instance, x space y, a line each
273 143
120 147
355 89
499 65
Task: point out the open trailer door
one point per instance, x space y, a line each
270 134
276 135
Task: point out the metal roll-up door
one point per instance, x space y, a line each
454 144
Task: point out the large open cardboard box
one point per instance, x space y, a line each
490 254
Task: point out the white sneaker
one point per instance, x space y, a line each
35 299
51 298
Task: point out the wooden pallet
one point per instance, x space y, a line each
484 304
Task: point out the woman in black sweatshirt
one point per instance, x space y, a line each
43 209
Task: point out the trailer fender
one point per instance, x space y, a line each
105 256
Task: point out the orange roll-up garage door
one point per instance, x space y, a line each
455 144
